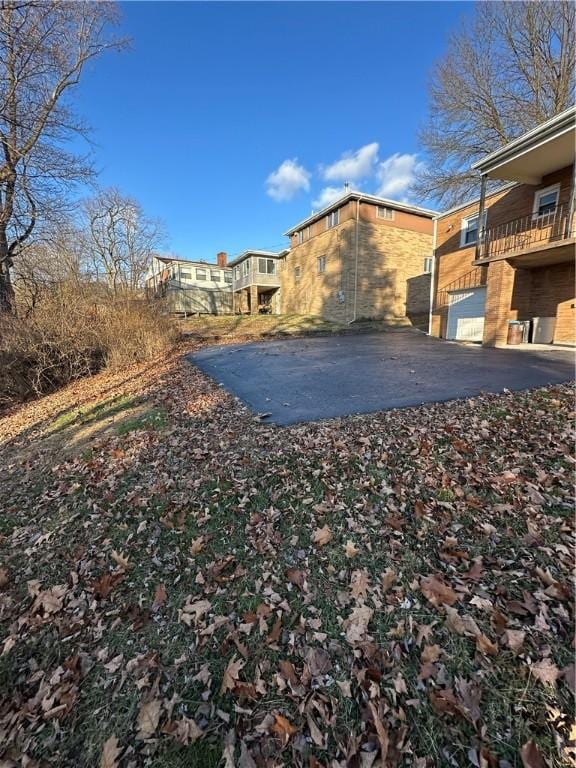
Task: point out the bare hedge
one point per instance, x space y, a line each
73 332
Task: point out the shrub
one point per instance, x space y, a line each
72 332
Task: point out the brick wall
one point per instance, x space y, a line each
388 257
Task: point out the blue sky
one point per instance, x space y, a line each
228 120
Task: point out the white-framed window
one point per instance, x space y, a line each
321 264
297 274
215 275
385 213
185 275
333 219
246 267
469 230
266 266
428 264
228 276
237 273
303 235
200 273
546 200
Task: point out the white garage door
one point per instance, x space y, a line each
466 314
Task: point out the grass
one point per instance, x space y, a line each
184 463
230 328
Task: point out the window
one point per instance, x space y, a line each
385 213
246 267
200 274
266 266
185 275
333 219
237 273
215 275
428 264
546 200
297 274
228 276
469 230
304 235
321 264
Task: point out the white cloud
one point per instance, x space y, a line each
327 196
353 165
396 175
288 179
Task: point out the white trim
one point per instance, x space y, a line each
459 207
388 213
464 229
541 193
431 260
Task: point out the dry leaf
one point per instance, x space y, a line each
462 625
359 582
121 560
322 536
283 728
197 545
531 756
350 549
545 671
110 753
356 625
296 577
148 718
388 578
437 591
231 674
485 645
159 597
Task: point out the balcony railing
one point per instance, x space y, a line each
527 232
473 279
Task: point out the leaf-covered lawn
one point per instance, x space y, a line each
195 588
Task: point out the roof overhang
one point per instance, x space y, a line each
543 150
267 254
429 214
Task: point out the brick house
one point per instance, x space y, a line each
191 287
509 255
256 282
361 257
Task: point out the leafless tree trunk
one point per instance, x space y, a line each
44 46
507 71
119 240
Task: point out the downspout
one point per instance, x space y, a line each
432 278
480 238
356 263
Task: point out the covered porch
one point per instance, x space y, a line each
257 300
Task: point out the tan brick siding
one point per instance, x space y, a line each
388 257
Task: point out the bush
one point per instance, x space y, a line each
73 332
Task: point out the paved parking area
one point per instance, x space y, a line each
323 377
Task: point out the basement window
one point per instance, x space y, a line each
428 264
385 213
200 274
546 201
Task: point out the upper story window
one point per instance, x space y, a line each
333 219
321 264
546 200
428 264
228 276
184 275
200 274
303 235
215 275
469 230
297 274
266 266
385 213
237 273
246 267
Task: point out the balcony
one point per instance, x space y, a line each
529 236
253 276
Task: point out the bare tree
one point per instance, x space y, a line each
509 69
44 47
119 240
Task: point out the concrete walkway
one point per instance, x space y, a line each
323 377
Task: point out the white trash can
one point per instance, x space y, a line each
543 330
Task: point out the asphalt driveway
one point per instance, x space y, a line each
315 378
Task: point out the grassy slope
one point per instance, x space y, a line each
345 649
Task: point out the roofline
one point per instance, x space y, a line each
191 261
250 252
361 196
459 207
555 126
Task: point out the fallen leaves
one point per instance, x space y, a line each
110 753
531 756
231 674
322 536
545 671
148 718
435 589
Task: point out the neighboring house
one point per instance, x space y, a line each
191 287
256 282
361 257
510 255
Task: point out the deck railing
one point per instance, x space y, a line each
473 279
526 232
